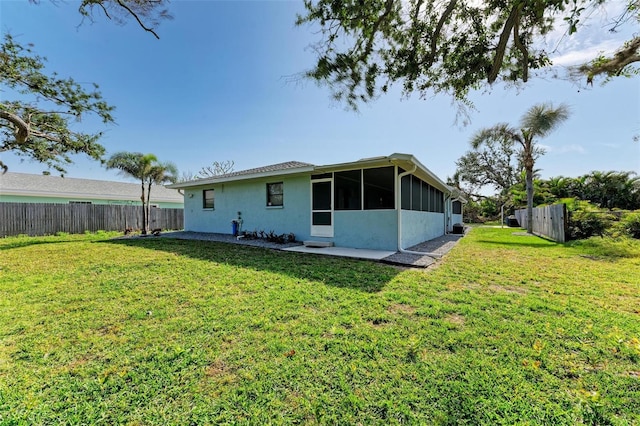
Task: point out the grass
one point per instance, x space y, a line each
507 329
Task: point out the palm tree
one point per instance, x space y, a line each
159 174
559 186
537 122
138 166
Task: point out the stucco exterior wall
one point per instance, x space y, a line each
371 229
249 198
420 226
456 218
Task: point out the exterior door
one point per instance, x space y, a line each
322 208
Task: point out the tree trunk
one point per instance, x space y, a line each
144 212
529 182
149 206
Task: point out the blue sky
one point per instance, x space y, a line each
217 86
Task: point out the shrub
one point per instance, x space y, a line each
630 224
586 220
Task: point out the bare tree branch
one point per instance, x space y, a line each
123 5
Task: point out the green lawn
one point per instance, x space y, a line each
506 329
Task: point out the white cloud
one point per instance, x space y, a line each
587 53
593 36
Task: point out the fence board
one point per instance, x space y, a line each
46 219
548 221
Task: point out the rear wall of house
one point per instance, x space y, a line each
371 229
418 227
250 199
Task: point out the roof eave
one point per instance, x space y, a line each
407 161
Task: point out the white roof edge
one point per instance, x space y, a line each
222 179
411 158
364 162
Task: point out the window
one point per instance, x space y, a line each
378 188
416 193
425 197
275 195
457 207
321 196
207 199
433 207
406 193
347 188
437 201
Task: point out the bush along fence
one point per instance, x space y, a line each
548 221
47 219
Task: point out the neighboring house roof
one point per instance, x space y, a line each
407 161
55 186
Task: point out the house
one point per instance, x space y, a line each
32 188
383 203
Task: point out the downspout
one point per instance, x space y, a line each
399 209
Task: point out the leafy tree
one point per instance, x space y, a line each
537 122
37 124
559 187
497 163
430 46
147 169
541 192
612 189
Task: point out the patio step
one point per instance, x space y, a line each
318 243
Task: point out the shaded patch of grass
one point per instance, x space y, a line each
508 329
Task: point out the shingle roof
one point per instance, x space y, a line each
56 186
279 167
270 168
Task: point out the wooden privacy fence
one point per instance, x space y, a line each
548 221
46 219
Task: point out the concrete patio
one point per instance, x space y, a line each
419 256
343 252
